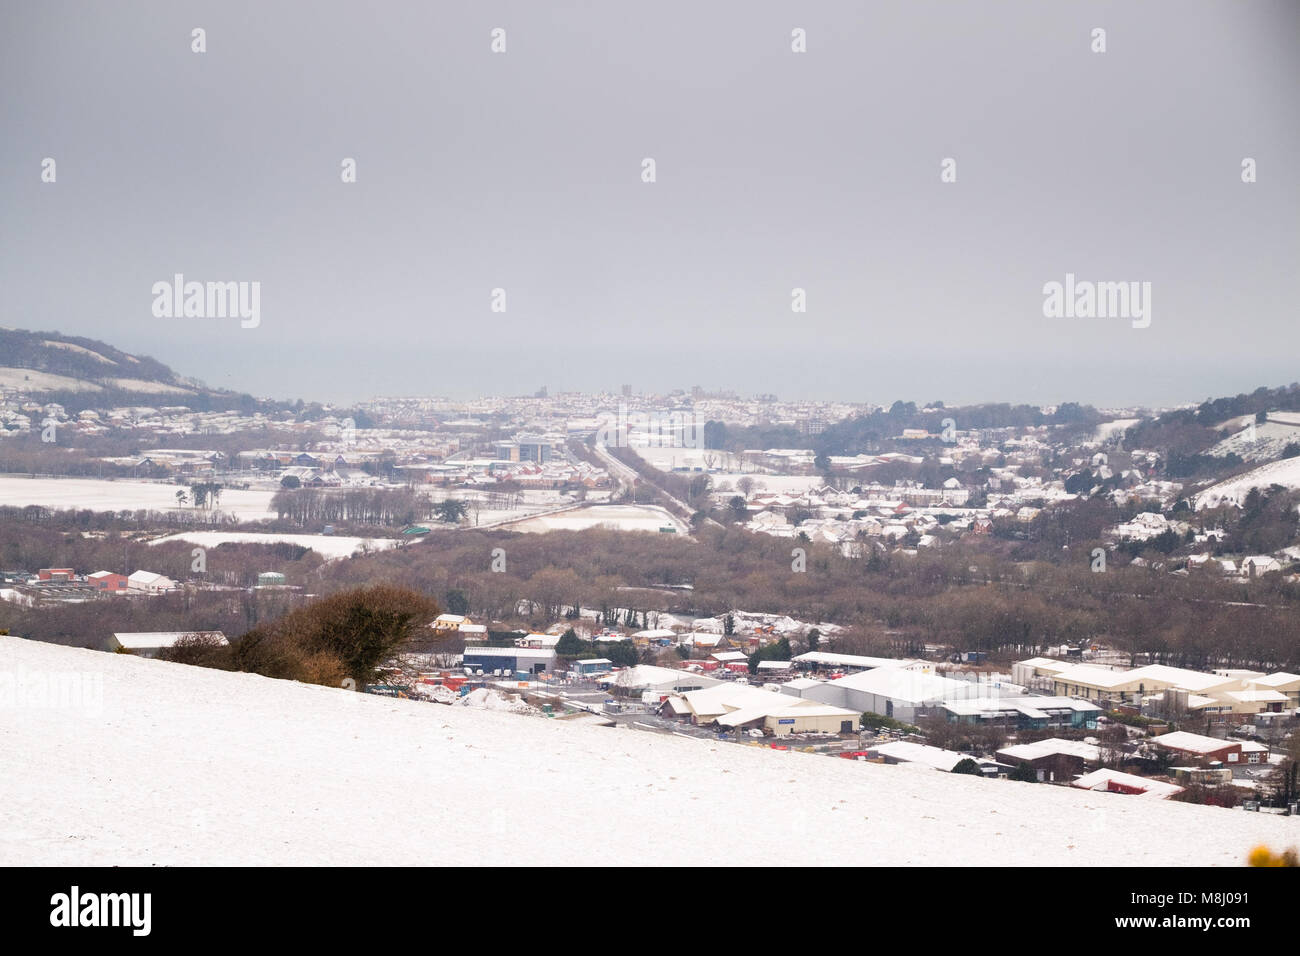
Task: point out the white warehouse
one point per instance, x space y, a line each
892 692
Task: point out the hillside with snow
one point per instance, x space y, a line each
1285 472
1258 442
159 763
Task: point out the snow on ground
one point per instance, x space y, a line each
1108 430
99 495
777 484
1258 443
152 388
80 349
327 545
174 765
1233 491
485 698
30 380
668 458
621 517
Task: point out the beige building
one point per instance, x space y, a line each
1225 692
1283 683
1131 686
449 623
743 706
810 718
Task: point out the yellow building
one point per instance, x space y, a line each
449 623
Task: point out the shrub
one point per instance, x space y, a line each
348 634
872 721
1024 773
201 650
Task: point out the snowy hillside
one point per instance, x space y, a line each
1233 491
178 765
1263 442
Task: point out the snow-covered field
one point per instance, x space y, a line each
777 484
100 495
667 459
1260 443
80 350
1108 430
1233 491
621 517
328 546
152 388
173 765
30 380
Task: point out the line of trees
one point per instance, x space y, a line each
376 507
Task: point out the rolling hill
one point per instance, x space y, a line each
80 373
157 763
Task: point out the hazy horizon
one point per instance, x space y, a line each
775 170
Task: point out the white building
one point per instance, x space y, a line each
148 581
893 692
149 643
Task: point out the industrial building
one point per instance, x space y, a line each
1204 749
1024 713
904 751
592 666
826 661
1052 759
892 692
645 678
743 706
1169 690
1116 781
513 660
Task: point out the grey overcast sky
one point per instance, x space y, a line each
775 170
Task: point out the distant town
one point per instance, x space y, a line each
981 589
